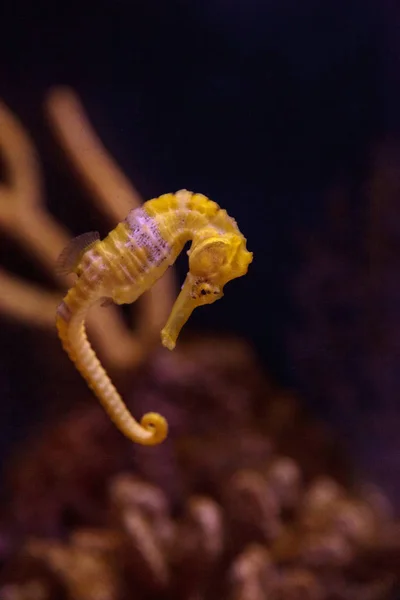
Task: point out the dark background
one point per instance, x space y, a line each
263 106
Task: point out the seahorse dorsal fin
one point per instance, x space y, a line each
72 254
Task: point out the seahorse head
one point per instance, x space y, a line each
213 261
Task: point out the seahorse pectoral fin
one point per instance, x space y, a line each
72 254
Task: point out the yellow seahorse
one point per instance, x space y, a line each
127 262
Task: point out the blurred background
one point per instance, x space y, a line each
286 114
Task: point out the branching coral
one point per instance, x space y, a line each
24 218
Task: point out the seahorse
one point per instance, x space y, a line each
126 263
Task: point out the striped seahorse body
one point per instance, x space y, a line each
128 262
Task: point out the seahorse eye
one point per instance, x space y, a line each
204 289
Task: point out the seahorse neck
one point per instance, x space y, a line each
187 225
186 216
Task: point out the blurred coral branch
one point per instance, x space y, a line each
24 219
108 186
26 302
